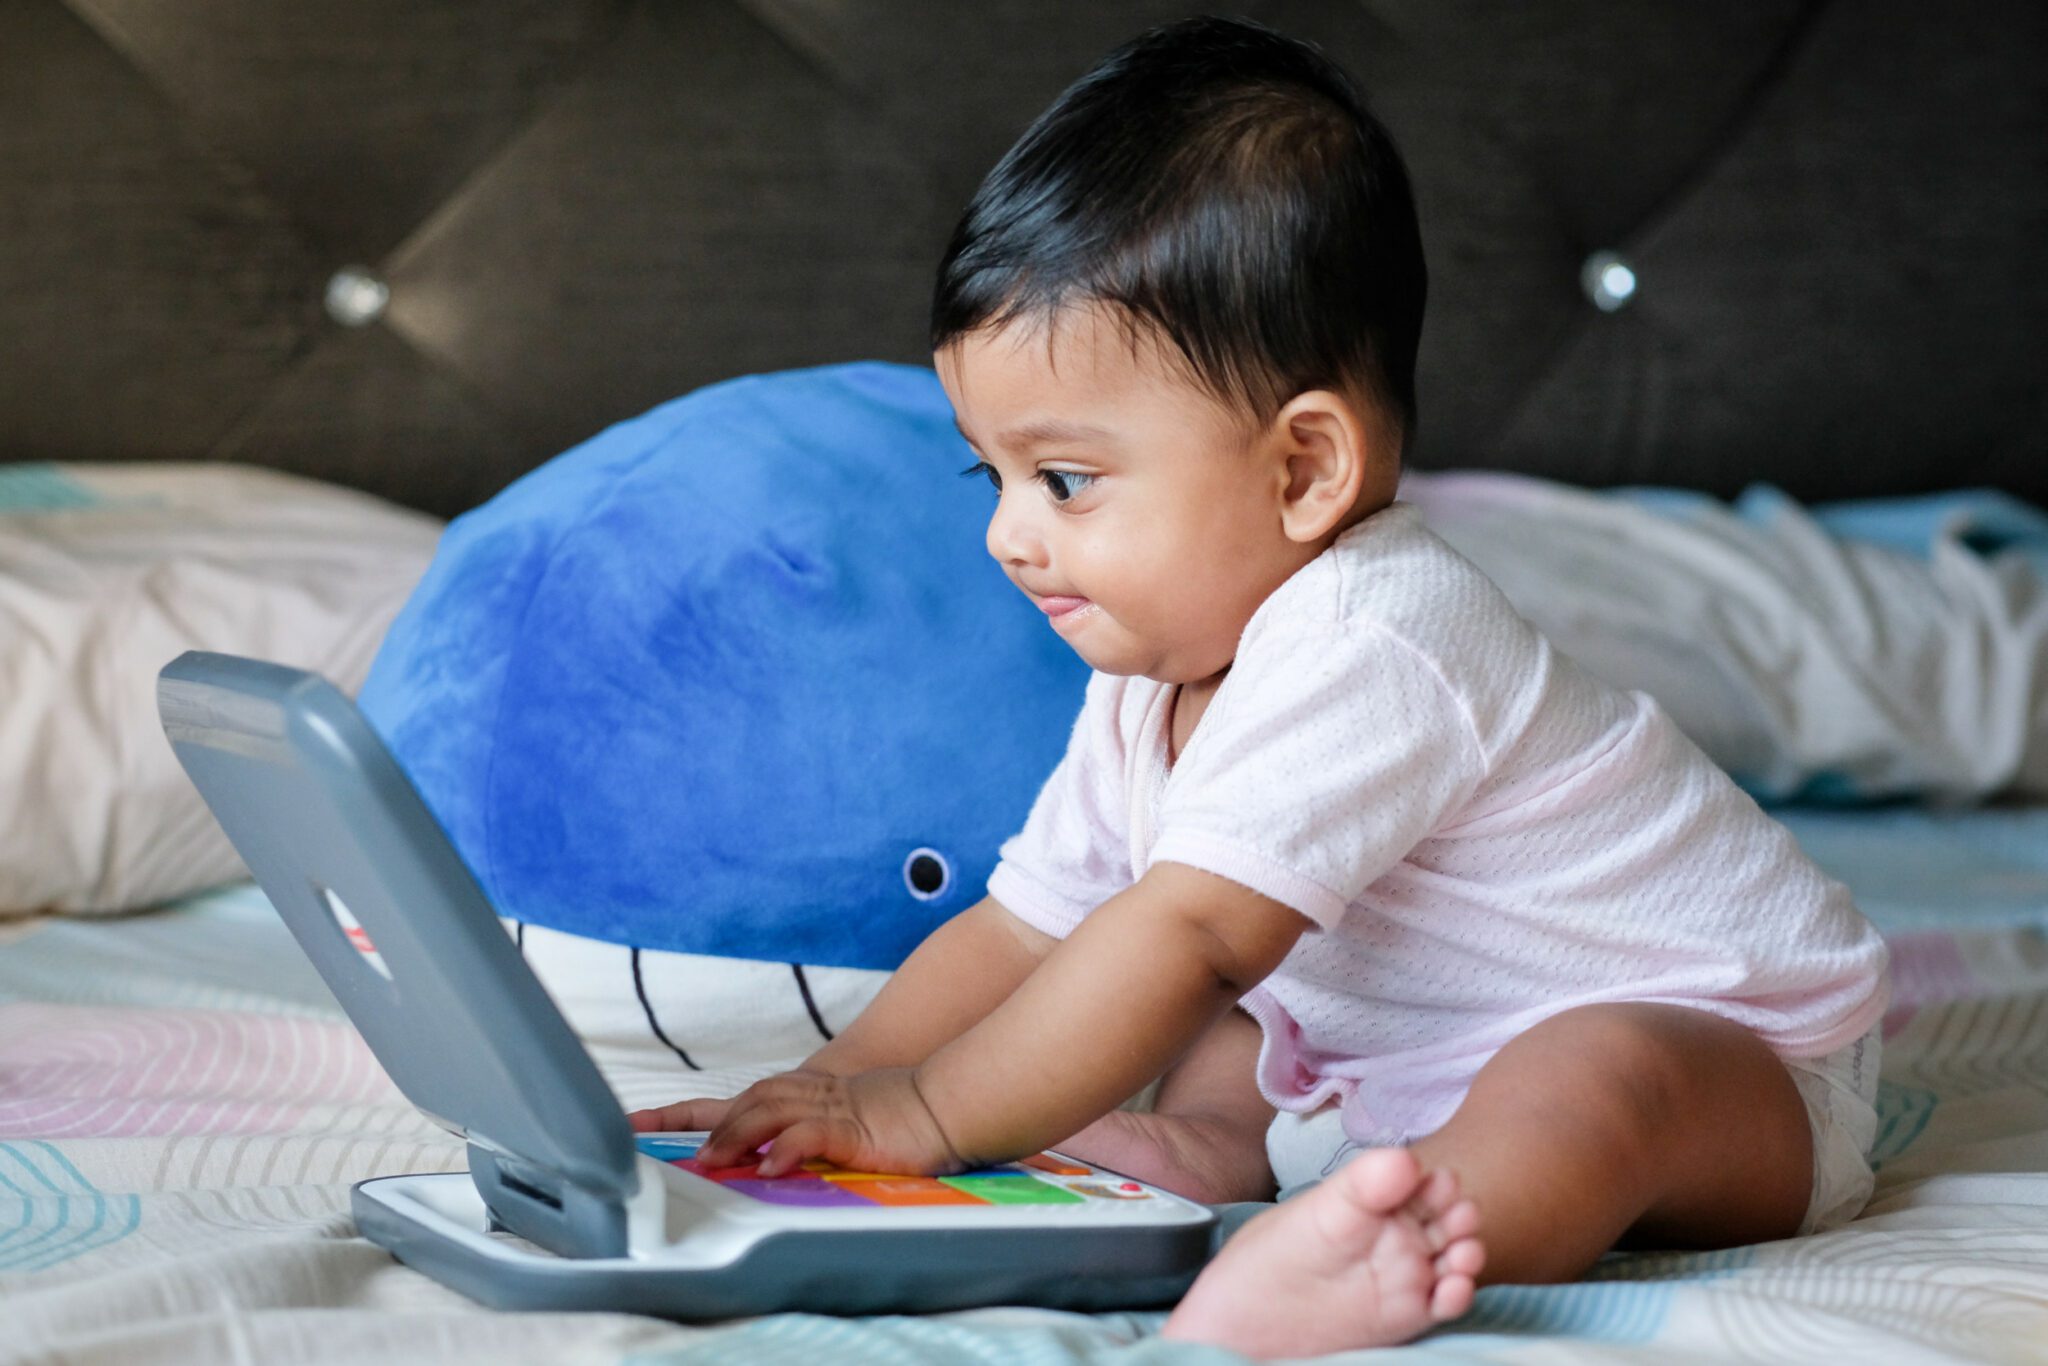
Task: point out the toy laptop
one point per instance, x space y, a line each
564 1207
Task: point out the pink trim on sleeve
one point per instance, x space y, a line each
1032 902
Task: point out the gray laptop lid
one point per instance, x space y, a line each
393 920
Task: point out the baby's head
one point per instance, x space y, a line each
1178 323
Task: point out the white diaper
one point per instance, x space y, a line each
1840 1091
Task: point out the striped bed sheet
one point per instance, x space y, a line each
183 1109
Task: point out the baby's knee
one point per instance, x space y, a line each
1638 1071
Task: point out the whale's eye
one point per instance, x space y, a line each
927 874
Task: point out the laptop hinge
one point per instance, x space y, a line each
539 1205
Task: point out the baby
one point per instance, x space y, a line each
1402 910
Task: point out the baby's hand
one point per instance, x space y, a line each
869 1121
683 1115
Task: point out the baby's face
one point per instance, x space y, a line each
1131 507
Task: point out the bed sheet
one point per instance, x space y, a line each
183 1108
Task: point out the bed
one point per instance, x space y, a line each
410 250
186 1108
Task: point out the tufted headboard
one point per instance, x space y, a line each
1835 216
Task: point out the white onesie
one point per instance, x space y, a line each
1482 834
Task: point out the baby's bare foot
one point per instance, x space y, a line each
1374 1255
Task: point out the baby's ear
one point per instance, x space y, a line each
1330 459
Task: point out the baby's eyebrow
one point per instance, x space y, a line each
1044 430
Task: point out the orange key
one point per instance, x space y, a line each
907 1190
1058 1166
831 1173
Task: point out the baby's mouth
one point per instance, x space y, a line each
1056 607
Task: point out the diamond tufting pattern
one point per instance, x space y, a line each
1835 214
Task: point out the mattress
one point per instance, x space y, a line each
183 1108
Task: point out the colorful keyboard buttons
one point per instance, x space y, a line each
1041 1179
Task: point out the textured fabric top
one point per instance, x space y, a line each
1482 834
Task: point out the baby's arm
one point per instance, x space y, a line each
961 972
1106 1011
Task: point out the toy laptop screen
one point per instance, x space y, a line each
388 912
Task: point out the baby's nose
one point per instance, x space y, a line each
1013 539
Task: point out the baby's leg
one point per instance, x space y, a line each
1205 1137
1667 1124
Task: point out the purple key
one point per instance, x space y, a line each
798 1190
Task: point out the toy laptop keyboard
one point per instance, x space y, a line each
563 1207
1092 1194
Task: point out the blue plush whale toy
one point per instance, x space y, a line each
735 678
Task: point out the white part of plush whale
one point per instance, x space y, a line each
692 1011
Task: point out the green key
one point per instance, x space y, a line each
1012 1190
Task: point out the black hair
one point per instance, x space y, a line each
1226 185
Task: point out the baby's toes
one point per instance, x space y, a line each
1456 1270
1355 1205
1381 1180
1461 1220
1465 1257
1437 1192
1452 1297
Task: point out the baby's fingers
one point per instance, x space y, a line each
742 1132
762 1111
796 1145
683 1115
756 1115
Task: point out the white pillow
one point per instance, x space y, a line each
107 572
1809 664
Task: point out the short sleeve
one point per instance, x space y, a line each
1073 853
1326 757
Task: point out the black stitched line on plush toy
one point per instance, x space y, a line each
519 936
803 984
640 990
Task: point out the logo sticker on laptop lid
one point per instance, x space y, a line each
353 928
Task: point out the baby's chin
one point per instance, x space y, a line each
1105 657
1128 658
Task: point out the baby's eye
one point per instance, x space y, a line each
1064 484
983 467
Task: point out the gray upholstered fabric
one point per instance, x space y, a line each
1836 212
